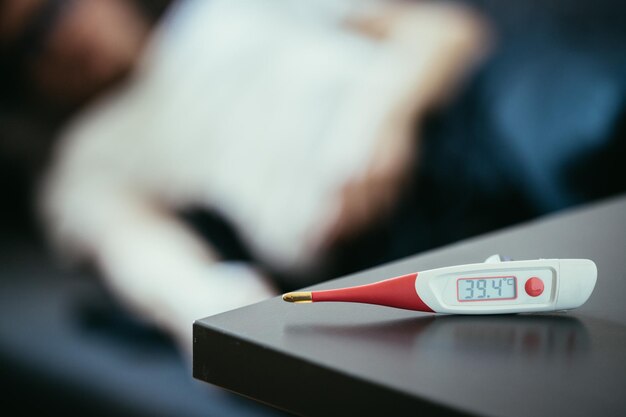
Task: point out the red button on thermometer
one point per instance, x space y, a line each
493 287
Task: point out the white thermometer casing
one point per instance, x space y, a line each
562 284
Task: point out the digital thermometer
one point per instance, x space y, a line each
493 287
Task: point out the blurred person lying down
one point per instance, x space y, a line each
292 119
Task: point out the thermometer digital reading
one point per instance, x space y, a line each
493 287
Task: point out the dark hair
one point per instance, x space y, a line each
16 54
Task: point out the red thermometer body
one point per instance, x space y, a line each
394 292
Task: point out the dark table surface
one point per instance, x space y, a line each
333 358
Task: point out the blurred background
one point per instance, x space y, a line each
536 125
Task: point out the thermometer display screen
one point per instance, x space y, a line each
486 289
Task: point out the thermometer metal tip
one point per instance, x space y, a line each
298 297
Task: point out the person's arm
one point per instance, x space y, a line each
149 258
434 47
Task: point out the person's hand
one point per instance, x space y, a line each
435 45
